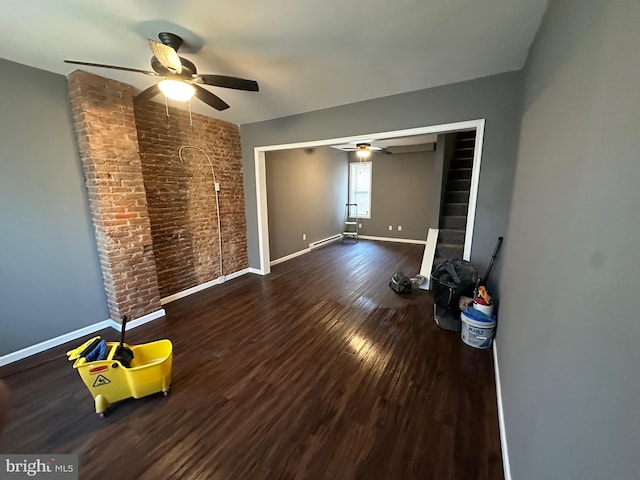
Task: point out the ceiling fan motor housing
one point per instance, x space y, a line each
171 39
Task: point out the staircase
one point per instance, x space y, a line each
453 211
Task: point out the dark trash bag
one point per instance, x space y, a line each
450 280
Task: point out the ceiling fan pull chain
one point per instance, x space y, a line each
190 119
166 105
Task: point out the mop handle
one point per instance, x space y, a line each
124 325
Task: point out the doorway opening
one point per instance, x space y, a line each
261 181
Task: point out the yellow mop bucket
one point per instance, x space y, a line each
109 381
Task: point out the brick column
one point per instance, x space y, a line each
108 145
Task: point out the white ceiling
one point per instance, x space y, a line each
305 54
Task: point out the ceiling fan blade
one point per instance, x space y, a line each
148 93
167 56
210 99
112 67
228 82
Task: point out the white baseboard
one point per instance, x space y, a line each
142 320
188 291
506 464
81 332
389 239
256 271
203 286
312 246
54 342
289 257
237 274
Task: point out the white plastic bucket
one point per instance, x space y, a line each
477 334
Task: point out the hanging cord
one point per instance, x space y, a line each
216 187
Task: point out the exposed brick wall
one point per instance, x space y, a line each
181 196
107 140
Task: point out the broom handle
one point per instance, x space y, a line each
493 258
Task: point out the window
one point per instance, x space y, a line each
360 187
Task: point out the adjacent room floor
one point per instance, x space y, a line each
316 371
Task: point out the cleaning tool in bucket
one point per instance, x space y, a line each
478 329
123 354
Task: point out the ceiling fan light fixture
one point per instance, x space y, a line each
363 151
176 90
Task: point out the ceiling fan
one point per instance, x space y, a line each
363 150
180 78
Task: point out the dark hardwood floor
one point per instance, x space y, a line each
317 371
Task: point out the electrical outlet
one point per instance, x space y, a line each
399 228
304 236
359 225
390 227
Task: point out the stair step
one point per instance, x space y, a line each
458 184
458 209
448 235
457 197
457 163
437 261
448 251
465 152
454 222
470 134
450 245
460 173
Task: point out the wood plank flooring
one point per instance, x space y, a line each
316 371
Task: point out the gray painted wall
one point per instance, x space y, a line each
569 331
401 194
50 281
306 194
495 98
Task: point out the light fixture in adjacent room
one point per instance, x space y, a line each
363 151
176 90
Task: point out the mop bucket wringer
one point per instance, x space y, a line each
109 381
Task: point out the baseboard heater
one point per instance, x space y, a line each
325 241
